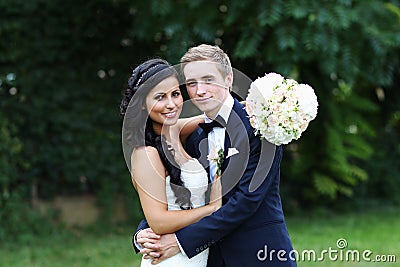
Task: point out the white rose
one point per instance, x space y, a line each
291 82
307 100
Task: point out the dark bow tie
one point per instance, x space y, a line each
207 127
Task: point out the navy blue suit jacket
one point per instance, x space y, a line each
249 229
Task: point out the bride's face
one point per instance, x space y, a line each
164 102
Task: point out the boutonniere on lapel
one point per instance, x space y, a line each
218 157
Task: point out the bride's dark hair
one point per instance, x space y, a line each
138 127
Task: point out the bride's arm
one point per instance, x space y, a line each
186 126
148 177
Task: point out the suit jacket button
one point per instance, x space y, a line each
197 249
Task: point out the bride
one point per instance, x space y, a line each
171 185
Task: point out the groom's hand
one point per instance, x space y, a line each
163 248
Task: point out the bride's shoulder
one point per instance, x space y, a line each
146 156
145 149
146 152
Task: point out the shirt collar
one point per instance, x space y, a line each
224 111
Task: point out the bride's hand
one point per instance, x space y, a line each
146 238
216 193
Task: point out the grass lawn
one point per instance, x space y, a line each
377 231
73 250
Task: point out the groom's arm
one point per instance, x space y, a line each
242 205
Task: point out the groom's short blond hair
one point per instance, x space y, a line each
206 52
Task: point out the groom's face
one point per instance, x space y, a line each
206 86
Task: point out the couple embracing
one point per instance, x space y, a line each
208 186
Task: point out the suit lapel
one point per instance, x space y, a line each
200 144
227 145
232 130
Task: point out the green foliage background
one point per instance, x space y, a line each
64 64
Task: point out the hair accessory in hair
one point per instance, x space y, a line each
147 71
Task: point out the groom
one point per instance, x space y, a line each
249 229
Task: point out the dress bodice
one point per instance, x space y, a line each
195 178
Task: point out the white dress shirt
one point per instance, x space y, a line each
216 137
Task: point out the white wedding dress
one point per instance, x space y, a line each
195 179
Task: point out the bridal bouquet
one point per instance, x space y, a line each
280 109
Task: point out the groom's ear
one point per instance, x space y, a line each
229 80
